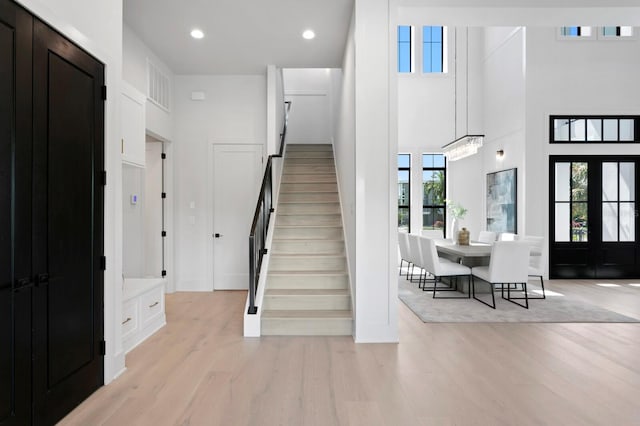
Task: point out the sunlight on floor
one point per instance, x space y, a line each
634 285
607 285
548 293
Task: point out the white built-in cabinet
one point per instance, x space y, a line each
142 310
133 125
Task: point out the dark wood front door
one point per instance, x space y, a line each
594 217
15 215
51 221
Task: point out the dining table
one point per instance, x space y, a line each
475 254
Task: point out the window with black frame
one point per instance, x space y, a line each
404 192
594 129
434 173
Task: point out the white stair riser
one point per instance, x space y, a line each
303 282
316 302
309 178
306 327
309 208
309 197
310 233
307 247
308 187
309 220
307 263
309 147
308 162
309 154
307 169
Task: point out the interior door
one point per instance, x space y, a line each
15 215
594 217
237 177
68 125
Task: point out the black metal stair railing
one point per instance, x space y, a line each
260 225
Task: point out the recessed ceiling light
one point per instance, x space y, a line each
308 34
196 33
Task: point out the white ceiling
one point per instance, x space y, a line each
241 36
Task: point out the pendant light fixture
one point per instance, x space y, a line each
468 144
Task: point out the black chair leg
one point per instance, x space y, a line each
493 296
513 299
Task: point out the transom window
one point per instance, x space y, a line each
404 192
617 32
434 172
575 31
581 129
432 49
405 49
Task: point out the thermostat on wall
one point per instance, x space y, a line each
134 198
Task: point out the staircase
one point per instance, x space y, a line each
307 291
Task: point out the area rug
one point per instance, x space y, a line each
551 309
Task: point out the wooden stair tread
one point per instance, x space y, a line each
304 314
307 292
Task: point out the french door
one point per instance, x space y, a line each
594 217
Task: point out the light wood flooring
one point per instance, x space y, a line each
199 370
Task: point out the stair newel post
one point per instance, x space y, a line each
252 275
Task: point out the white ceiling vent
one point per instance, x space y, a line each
158 89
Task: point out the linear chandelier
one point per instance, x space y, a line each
468 144
462 147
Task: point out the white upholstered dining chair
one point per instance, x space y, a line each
509 264
537 259
436 234
488 237
415 257
507 236
403 244
439 267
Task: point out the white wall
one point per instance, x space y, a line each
310 117
504 110
135 54
133 220
275 108
97 28
234 111
344 150
572 77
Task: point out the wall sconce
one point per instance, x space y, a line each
499 154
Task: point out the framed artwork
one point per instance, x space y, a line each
502 188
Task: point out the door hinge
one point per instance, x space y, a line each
164 233
164 273
104 93
164 195
103 347
103 263
104 178
163 156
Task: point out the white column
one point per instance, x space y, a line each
375 175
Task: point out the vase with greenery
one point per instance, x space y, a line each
457 213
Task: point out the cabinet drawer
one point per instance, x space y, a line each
130 318
151 305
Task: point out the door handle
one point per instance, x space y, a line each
42 279
216 235
22 284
